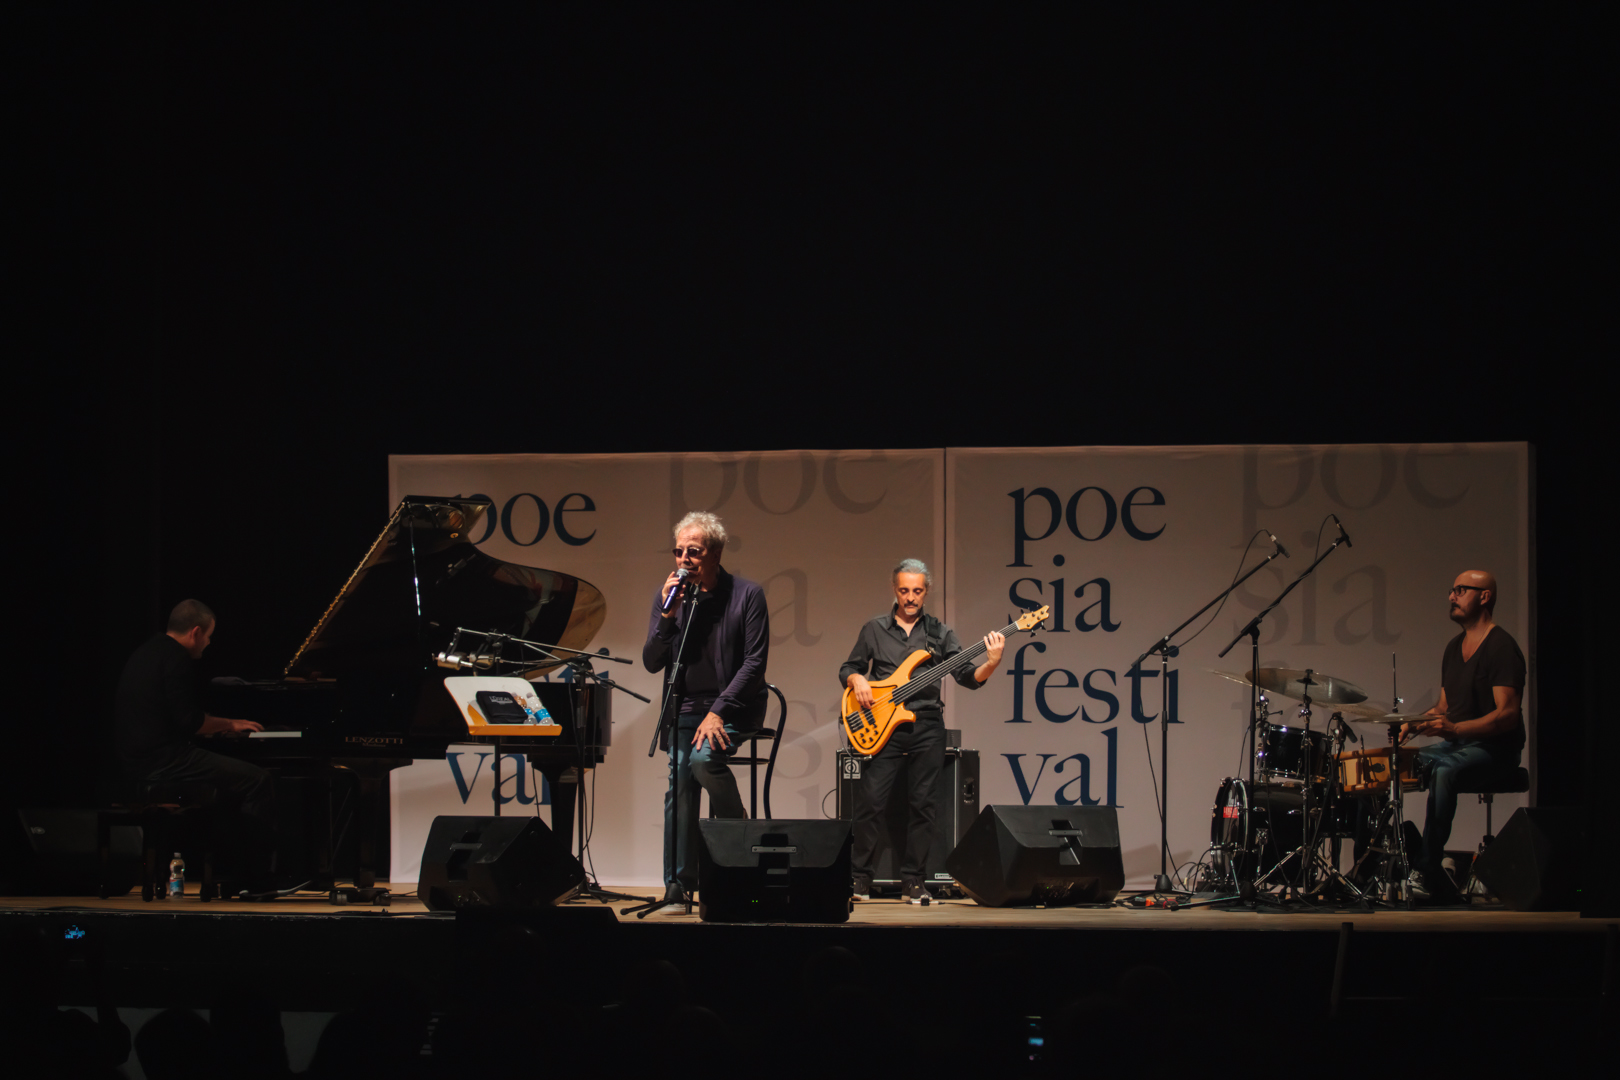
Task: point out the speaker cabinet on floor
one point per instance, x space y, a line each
956 794
1049 855
496 862
774 870
1535 862
58 855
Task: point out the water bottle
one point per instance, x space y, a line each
177 877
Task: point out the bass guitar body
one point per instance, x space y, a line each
869 729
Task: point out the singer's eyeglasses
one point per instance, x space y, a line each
1457 590
691 553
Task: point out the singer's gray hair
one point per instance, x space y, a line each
189 613
912 566
714 532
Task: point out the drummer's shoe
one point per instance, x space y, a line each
1433 889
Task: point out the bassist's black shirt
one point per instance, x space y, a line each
884 646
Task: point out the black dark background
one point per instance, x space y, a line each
264 249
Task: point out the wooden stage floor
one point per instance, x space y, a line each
955 914
312 955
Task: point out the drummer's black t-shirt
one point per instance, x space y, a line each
1469 684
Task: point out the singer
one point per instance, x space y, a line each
720 692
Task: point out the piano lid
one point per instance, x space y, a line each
424 557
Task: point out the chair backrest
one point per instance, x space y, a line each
776 744
754 761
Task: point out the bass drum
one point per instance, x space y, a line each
1252 829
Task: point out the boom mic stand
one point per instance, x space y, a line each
667 722
1162 882
1252 632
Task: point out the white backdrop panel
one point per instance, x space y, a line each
819 531
1143 537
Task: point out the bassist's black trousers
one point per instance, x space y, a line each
914 756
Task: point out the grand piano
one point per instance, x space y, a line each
363 696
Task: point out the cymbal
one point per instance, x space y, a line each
1393 718
1295 683
1235 676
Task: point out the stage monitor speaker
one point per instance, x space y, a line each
1535 862
774 870
496 862
1049 855
956 795
59 856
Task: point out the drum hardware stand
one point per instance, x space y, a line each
1394 880
1311 860
1252 631
1162 883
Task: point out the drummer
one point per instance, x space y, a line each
1481 683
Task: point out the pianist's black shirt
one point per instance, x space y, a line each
157 708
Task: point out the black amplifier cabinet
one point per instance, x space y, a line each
956 793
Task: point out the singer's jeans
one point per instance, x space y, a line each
1455 767
707 767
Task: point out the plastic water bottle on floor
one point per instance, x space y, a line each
177 877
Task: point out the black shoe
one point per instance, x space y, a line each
917 893
861 890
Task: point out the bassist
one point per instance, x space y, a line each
916 750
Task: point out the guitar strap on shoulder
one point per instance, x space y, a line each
934 636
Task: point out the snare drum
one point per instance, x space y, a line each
1365 772
1290 756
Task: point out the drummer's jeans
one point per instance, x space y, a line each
1454 767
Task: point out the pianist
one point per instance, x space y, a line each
720 690
157 712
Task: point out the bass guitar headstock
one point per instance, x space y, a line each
1031 619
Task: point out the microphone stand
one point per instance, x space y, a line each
667 721
592 889
1252 632
1162 882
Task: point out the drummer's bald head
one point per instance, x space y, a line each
1483 580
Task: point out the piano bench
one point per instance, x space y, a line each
171 817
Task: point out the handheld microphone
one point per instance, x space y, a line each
680 585
1280 549
1342 534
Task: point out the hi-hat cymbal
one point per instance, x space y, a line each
1392 718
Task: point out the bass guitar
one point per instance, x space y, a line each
869 730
